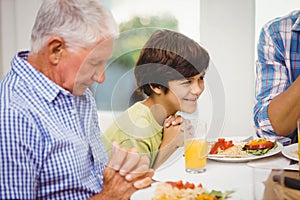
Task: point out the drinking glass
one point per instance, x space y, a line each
195 145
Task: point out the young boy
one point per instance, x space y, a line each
170 71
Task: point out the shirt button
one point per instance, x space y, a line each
73 111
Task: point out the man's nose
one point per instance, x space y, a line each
99 77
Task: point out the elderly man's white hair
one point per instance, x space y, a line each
81 23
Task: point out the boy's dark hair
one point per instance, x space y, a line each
167 56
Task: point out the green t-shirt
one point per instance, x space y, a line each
136 127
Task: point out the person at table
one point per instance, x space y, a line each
50 137
277 105
170 71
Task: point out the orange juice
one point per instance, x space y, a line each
195 154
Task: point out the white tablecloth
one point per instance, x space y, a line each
219 175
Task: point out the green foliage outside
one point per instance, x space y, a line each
134 34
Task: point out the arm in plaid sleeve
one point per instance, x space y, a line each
276 101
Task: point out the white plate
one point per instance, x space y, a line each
148 193
144 194
244 158
290 151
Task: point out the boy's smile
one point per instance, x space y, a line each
183 94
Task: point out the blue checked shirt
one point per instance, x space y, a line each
50 139
277 67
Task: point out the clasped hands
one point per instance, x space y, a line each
173 130
126 172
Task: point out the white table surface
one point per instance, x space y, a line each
219 175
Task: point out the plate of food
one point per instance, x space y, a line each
291 152
179 190
236 149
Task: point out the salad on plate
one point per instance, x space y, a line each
237 150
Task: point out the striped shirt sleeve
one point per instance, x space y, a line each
271 74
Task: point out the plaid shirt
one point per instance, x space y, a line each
50 139
277 67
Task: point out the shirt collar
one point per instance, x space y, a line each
43 85
296 26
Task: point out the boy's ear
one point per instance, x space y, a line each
56 47
156 89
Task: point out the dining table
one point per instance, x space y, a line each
243 176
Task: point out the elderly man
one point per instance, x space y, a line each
50 138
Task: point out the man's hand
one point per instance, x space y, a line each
129 163
126 172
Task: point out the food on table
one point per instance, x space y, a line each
181 185
260 143
228 148
259 146
220 146
188 191
236 149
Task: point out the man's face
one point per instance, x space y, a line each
86 66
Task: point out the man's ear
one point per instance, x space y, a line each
56 47
156 89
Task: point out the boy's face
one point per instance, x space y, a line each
183 94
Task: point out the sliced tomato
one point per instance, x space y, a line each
189 185
221 144
264 145
180 185
214 149
227 144
221 140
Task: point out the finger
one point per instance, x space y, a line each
129 164
116 185
187 124
169 120
145 182
117 157
180 137
177 121
108 173
181 132
182 127
141 169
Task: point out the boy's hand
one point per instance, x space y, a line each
173 120
173 133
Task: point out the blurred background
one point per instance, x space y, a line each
228 29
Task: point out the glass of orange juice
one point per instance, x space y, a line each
195 145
